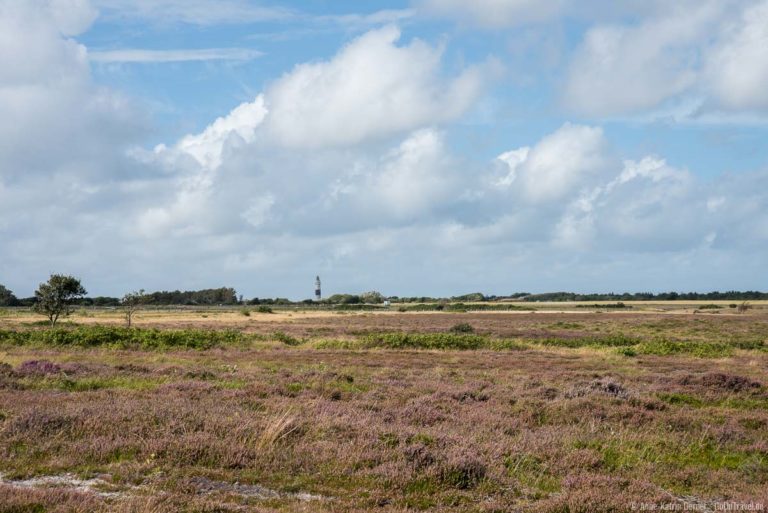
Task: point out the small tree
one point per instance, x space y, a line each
132 302
7 298
372 297
55 297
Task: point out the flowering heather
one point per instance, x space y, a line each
274 427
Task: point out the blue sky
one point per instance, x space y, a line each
413 147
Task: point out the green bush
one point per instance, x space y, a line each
264 309
425 341
286 339
663 347
618 340
356 307
123 338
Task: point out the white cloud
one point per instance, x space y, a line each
160 56
72 17
341 167
383 17
737 67
371 88
198 12
208 147
625 69
495 13
708 54
410 181
561 162
258 212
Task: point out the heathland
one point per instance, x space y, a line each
561 407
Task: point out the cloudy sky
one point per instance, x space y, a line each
414 147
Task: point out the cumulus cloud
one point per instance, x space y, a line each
343 167
708 54
560 163
371 88
624 69
737 67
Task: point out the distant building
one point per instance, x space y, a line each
318 293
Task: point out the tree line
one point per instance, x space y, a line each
226 296
205 297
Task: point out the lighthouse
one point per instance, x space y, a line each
318 294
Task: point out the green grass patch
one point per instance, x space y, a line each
533 473
664 347
286 339
123 338
681 399
618 340
731 402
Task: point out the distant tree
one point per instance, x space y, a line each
131 302
55 297
372 297
7 298
473 297
343 299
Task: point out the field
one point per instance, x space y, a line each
563 408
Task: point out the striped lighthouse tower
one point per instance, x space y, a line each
318 293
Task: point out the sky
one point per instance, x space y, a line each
414 147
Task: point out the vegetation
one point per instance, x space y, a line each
273 427
464 307
220 296
7 298
649 296
55 297
121 338
131 302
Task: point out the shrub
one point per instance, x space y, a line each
618 340
245 312
123 338
663 347
462 472
425 341
264 309
286 339
462 327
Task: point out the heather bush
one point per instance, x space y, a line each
38 368
462 471
462 327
